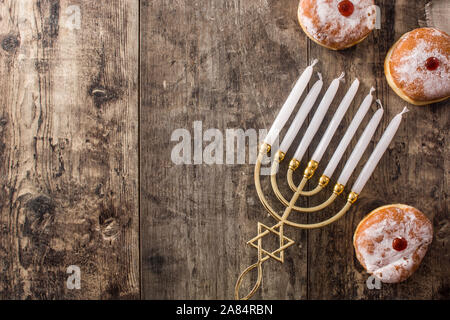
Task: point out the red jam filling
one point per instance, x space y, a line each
432 63
399 244
346 8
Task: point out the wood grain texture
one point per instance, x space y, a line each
337 274
413 172
73 139
230 64
68 149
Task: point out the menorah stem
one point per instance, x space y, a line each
294 199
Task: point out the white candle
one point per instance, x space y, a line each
348 136
337 118
301 115
318 118
360 147
376 155
289 105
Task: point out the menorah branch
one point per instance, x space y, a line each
338 189
283 200
323 182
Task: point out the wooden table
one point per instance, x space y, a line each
90 95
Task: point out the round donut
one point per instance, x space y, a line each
337 24
417 67
391 241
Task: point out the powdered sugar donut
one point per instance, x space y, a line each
418 66
391 241
337 24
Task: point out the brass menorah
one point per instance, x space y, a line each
298 190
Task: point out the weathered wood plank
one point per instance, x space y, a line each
68 149
414 171
225 63
331 262
69 158
229 64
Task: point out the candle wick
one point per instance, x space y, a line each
315 61
372 90
379 103
319 75
405 110
341 77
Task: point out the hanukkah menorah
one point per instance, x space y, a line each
312 166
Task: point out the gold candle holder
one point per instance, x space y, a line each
294 164
278 228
